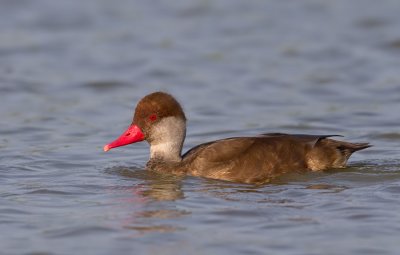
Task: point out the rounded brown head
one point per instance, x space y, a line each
158 119
154 108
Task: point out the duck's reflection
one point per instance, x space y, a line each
164 188
152 185
143 203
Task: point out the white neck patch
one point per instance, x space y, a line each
167 139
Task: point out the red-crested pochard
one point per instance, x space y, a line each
160 120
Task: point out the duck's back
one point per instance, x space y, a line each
262 158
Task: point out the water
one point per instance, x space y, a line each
71 73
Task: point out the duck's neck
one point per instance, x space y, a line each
166 152
169 135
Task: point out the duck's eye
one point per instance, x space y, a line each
153 117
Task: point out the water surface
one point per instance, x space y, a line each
71 73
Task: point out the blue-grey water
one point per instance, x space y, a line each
72 71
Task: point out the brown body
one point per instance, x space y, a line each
261 159
159 119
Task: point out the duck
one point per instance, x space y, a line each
160 120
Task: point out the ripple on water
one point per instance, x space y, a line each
393 45
154 229
163 214
326 187
134 171
13 211
51 192
76 231
372 22
105 85
393 189
390 136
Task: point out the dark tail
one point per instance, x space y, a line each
329 153
349 148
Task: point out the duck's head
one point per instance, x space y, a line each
158 119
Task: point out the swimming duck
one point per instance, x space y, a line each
160 120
